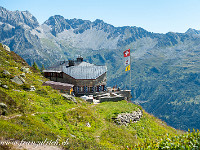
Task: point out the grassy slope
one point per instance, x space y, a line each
45 114
166 87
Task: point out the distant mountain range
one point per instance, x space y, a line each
165 67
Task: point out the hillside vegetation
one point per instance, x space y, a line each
43 114
165 86
165 67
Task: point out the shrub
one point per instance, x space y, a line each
41 92
26 86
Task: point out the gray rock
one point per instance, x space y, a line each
22 79
126 118
69 97
6 72
32 88
6 48
88 124
25 70
23 75
5 86
2 105
18 80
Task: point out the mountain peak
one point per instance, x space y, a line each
58 24
15 18
192 31
99 21
55 19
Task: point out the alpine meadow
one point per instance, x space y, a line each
164 84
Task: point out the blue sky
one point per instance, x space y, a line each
159 16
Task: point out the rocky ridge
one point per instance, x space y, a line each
58 37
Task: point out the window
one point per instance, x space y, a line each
81 89
90 89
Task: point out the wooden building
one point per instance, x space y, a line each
87 78
62 87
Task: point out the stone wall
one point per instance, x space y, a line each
113 96
126 94
113 99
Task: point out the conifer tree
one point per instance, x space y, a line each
35 66
42 68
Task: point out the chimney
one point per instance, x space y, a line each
79 59
71 63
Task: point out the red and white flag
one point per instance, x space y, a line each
126 53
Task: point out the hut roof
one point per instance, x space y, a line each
79 70
85 71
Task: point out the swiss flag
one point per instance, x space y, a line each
126 53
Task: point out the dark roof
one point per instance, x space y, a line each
58 85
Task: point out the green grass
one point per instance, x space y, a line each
45 114
110 109
189 140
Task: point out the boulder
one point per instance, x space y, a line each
88 124
6 47
22 79
18 80
32 88
2 105
6 72
69 97
5 86
23 75
25 70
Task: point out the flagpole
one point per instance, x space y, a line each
127 54
130 69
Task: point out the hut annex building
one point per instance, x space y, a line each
77 76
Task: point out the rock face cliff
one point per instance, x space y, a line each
165 67
16 18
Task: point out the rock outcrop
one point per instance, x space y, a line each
25 70
126 118
69 97
6 72
6 48
18 80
